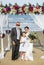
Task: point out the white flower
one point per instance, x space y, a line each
13 11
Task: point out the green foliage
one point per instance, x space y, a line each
32 35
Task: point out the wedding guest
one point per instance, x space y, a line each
22 48
15 37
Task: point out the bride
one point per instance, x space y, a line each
28 54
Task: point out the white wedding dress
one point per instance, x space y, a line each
29 54
23 46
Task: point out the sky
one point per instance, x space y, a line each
21 2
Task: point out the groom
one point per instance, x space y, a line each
15 37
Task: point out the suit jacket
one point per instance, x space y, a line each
14 34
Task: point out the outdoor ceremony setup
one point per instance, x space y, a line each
9 22
28 15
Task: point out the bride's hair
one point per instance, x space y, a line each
26 27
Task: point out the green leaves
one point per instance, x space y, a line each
32 35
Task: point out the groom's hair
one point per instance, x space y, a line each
17 23
26 27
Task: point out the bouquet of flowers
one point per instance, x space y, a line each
32 36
